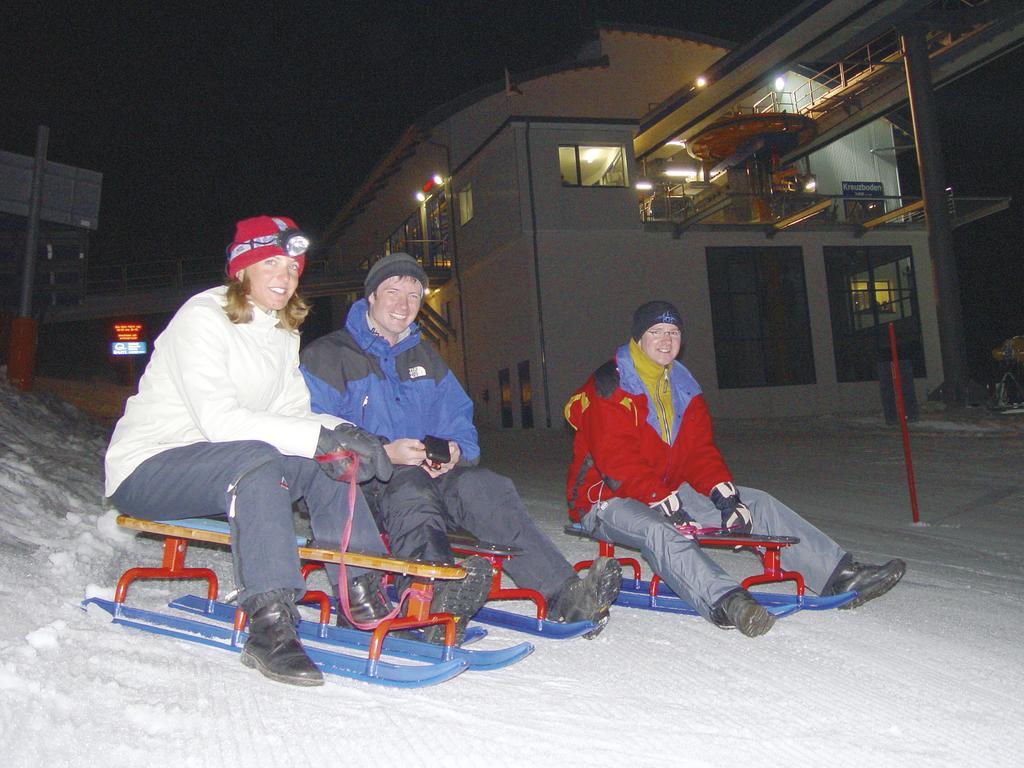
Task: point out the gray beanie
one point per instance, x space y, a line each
394 265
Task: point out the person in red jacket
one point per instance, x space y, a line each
646 474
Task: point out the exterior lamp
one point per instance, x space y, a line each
702 81
681 173
780 83
421 196
438 180
810 184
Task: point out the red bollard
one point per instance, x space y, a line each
21 359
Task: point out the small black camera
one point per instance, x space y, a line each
438 451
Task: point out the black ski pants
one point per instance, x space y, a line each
254 485
416 511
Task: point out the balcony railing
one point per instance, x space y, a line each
816 94
714 206
320 276
172 275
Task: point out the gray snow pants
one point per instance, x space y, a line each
686 567
202 480
416 511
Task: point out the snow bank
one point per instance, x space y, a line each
930 675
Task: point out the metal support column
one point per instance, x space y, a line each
940 235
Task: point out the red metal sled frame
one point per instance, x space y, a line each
770 553
176 540
497 556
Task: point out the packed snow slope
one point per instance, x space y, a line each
930 675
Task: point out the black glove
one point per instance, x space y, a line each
735 515
373 459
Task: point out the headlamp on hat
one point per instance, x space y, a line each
292 241
261 237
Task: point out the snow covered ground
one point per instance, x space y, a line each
930 675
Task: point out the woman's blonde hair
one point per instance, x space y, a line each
239 308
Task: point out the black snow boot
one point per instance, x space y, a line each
740 610
462 598
588 598
273 646
366 600
868 581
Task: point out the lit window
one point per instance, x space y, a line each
408 237
465 204
871 288
585 166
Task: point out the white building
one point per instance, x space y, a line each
522 200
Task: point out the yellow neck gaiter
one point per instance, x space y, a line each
655 379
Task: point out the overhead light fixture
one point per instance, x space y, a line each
676 143
702 81
780 83
591 155
799 216
681 173
644 185
810 184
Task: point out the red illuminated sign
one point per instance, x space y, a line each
127 331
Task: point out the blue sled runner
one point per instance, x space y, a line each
209 622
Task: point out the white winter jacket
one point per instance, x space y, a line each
210 380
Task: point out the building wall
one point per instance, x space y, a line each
550 274
852 159
501 323
497 200
557 206
596 263
593 282
642 70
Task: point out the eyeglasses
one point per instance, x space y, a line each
658 333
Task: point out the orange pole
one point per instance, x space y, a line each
21 358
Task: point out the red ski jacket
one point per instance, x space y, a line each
618 450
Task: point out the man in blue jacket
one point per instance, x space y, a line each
376 373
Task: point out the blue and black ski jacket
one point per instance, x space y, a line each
406 390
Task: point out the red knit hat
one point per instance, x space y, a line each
261 237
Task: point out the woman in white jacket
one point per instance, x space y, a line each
221 425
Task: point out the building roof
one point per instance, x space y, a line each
420 130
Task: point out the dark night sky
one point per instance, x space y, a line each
198 117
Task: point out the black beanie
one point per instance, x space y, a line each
394 265
652 313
